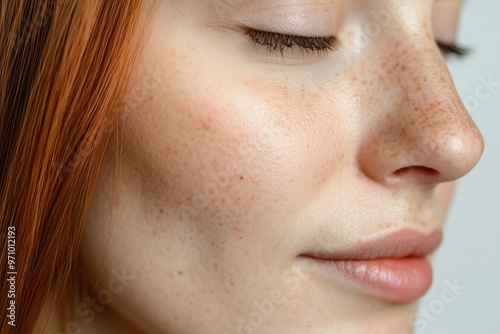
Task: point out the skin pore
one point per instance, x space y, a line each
238 158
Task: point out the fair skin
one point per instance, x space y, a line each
236 161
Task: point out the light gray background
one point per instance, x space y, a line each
470 252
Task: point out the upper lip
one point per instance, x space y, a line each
400 244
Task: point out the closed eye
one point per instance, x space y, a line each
452 49
276 42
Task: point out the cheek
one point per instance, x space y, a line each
232 151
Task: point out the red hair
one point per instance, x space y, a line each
64 65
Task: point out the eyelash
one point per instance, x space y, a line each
453 49
275 42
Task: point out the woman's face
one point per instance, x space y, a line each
239 159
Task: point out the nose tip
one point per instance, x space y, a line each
440 147
457 153
445 156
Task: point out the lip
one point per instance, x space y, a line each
394 267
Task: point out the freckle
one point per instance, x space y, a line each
161 211
180 273
242 178
205 125
155 232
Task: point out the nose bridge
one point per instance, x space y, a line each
418 69
420 94
425 123
429 107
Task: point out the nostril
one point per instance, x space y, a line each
422 170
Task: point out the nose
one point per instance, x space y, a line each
420 131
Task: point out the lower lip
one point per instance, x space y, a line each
398 280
